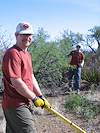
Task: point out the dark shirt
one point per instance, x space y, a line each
77 57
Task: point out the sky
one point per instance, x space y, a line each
54 16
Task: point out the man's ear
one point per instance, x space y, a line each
16 34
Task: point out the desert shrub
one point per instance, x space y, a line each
81 106
91 75
72 102
48 63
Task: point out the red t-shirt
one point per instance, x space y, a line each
77 57
16 64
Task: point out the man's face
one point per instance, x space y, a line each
24 40
77 48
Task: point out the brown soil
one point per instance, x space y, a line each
45 122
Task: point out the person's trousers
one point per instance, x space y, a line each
19 120
74 78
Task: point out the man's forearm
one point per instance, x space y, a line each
22 88
36 87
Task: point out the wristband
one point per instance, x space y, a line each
34 99
42 97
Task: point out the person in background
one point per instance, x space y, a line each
21 88
76 64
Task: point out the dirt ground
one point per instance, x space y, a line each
48 123
45 122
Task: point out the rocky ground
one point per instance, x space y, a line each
45 122
48 123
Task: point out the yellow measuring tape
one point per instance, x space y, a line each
67 121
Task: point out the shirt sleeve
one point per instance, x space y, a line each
82 56
14 65
82 59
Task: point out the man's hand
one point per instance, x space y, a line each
38 102
46 103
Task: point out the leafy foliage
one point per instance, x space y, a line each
50 59
48 62
81 106
91 75
95 33
5 39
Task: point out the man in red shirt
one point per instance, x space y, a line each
76 63
20 85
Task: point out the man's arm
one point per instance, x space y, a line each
36 88
24 91
82 63
22 88
82 60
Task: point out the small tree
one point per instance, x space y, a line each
47 64
95 35
5 40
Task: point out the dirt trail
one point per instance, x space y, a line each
47 123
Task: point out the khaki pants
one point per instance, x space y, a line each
19 120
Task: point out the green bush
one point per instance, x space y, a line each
81 106
48 63
72 102
91 75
